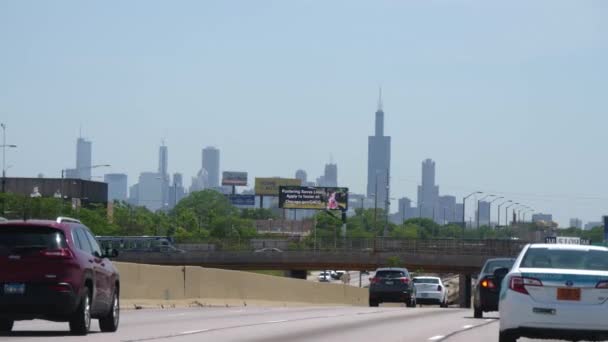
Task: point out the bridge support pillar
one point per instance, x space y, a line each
297 274
464 288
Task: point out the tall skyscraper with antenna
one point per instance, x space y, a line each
379 161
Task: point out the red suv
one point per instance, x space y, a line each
55 270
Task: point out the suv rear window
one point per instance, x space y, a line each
493 265
390 274
426 281
22 239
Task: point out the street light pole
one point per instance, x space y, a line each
490 210
464 220
4 146
500 206
507 213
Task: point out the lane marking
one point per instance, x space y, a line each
467 327
192 332
277 321
435 338
490 319
177 315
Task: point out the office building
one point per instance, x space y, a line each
542 217
163 166
483 214
428 192
117 186
83 158
330 176
446 211
150 191
211 164
379 161
591 225
176 191
576 223
302 176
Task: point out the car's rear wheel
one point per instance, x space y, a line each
444 304
109 323
6 325
373 303
80 323
506 337
477 313
411 303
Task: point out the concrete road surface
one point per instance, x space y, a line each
279 324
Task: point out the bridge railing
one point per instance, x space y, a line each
354 245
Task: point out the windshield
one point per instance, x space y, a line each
592 260
426 281
493 265
390 274
22 239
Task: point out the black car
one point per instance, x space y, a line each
392 285
487 288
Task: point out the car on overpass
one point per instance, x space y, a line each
431 290
55 270
556 291
487 287
392 285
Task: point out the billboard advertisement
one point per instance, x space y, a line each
310 197
241 199
234 178
270 186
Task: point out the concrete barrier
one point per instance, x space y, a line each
189 285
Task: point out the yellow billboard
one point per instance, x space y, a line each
270 186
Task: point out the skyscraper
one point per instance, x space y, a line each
211 163
83 158
379 161
163 165
302 176
176 190
428 192
117 186
330 176
149 191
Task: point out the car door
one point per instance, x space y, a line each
92 262
102 273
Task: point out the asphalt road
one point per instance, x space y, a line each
280 324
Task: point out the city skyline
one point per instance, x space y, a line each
491 102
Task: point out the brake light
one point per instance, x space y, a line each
602 284
404 280
518 284
62 253
374 280
439 288
488 283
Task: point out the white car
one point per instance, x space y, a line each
556 292
324 277
431 290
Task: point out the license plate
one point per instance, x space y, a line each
14 289
389 283
569 294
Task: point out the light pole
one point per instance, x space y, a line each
499 206
464 200
478 202
4 146
507 213
490 210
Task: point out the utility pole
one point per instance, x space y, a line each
387 205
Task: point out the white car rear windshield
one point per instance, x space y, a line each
426 281
593 260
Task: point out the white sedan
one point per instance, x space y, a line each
557 292
430 290
325 277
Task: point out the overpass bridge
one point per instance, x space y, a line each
465 257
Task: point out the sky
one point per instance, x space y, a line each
507 97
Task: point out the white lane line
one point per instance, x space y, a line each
467 327
177 315
489 320
278 321
191 332
435 338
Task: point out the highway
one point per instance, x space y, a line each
280 324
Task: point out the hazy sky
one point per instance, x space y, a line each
506 97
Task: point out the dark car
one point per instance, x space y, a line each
487 287
392 285
55 270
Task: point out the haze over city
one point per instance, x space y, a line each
510 105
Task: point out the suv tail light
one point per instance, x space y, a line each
518 284
602 284
374 280
61 253
405 280
61 287
488 284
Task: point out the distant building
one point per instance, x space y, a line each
428 192
83 191
329 177
163 166
133 194
83 158
150 191
446 209
302 176
484 214
379 161
591 225
576 223
117 186
542 217
176 190
211 164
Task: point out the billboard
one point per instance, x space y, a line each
270 186
234 178
241 199
310 197
605 228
